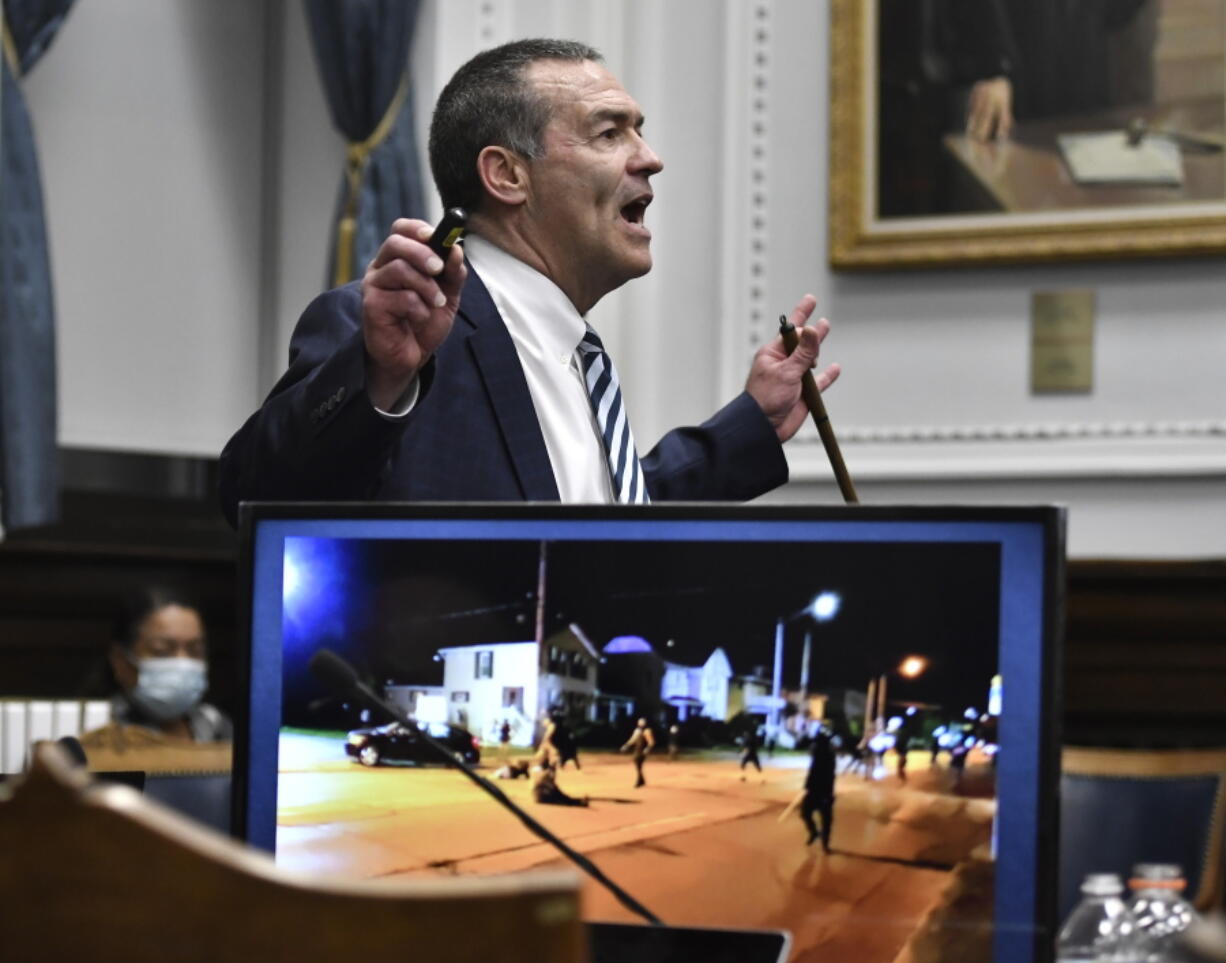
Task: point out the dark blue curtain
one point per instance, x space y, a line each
29 466
362 47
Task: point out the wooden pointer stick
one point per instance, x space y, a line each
817 408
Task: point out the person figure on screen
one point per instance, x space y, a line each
159 658
545 783
749 751
864 755
934 746
519 768
504 742
674 742
467 378
903 736
564 742
547 748
641 742
877 740
958 754
819 790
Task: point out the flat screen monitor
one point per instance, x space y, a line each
852 711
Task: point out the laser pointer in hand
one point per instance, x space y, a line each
449 230
817 408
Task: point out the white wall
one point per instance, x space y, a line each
149 119
180 271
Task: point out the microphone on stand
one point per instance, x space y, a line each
73 750
338 674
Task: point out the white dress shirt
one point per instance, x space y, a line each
546 330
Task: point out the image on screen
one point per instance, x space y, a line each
758 732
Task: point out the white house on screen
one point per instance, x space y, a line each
520 683
698 690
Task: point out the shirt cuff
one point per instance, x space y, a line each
404 404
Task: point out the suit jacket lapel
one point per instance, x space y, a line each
498 365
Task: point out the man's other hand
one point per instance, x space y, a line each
409 300
775 376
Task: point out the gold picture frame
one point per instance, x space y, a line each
861 239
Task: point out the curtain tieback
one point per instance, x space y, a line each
10 47
355 171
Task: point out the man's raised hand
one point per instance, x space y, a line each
774 377
409 300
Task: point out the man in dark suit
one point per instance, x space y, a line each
462 381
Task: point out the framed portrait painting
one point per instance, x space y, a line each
994 131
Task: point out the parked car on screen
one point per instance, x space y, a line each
396 743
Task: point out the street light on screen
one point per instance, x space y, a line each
821 608
825 606
912 667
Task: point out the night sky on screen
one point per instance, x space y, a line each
389 605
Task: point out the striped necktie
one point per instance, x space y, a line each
605 393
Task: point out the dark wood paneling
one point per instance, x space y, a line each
1145 653
59 588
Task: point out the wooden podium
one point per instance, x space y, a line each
91 871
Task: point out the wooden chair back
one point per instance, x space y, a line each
1120 807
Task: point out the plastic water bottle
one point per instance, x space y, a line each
1100 929
1158 908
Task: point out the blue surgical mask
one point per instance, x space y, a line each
168 688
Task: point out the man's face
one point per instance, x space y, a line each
590 191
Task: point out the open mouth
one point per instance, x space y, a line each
634 211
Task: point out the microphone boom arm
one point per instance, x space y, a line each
334 670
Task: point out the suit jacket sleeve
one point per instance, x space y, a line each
316 437
733 456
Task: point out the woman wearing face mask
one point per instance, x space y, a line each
159 657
